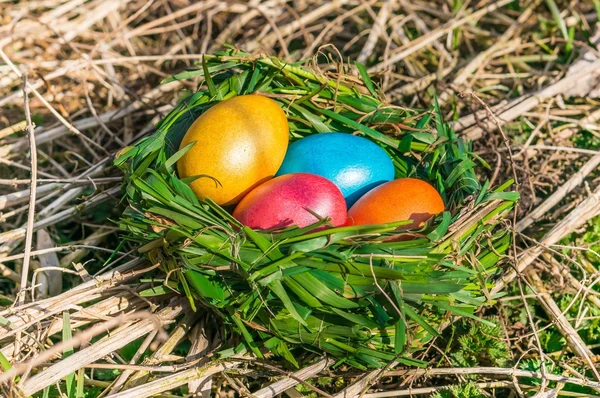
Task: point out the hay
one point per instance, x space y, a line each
93 71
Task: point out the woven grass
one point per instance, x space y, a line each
366 295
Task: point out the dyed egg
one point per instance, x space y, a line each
354 164
240 143
286 200
398 200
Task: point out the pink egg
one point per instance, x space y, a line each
283 201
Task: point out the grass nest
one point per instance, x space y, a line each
366 295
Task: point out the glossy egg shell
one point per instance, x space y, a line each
239 142
398 200
354 164
283 201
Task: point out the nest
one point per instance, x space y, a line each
366 295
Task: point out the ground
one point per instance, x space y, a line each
519 78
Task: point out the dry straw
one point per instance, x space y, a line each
95 66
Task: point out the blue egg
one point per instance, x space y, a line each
354 164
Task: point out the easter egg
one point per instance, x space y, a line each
239 144
398 200
354 164
286 200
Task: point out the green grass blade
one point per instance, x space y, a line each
4 363
463 312
203 286
362 70
278 289
212 89
560 22
302 293
178 155
322 292
67 335
314 120
415 317
246 334
263 244
376 135
6 322
155 291
80 391
357 319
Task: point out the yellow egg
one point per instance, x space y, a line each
240 143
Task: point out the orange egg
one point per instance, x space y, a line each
397 200
239 144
